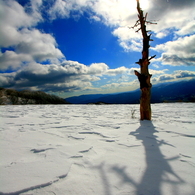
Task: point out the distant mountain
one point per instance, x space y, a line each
85 98
175 91
167 92
13 97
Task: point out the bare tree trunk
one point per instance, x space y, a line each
144 76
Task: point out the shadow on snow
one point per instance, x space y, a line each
157 172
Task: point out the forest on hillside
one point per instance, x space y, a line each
13 97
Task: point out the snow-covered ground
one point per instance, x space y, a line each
97 150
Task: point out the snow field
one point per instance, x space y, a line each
97 149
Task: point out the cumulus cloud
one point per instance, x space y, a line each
122 86
120 70
17 26
151 71
114 12
98 68
60 8
175 76
121 15
68 76
178 52
12 60
67 87
117 85
165 77
14 18
163 33
24 43
95 18
172 15
111 12
188 28
128 39
7 79
117 14
184 74
40 46
48 77
63 8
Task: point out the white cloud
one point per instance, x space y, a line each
14 17
162 78
28 44
32 45
117 85
119 14
36 5
98 68
40 46
188 28
170 17
69 76
128 38
63 8
96 18
60 9
114 12
151 71
175 76
155 72
120 87
13 14
173 15
7 79
68 86
163 33
184 73
120 70
155 65
12 60
17 31
178 52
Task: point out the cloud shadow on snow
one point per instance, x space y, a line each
158 170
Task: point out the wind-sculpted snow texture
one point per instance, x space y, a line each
97 149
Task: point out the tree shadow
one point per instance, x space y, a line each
158 170
104 177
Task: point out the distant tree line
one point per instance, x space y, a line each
11 96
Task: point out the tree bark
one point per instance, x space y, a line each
144 76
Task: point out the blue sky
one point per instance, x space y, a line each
74 47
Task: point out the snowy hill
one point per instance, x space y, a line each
97 149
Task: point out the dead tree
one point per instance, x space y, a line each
144 76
